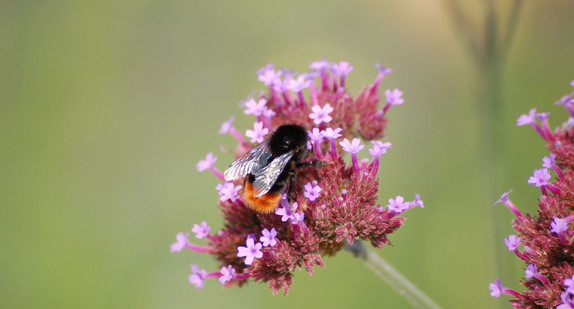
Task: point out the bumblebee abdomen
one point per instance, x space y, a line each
265 204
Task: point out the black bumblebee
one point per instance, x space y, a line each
270 167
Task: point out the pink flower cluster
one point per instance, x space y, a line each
547 239
334 203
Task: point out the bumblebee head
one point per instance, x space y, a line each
288 137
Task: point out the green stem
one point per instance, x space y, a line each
489 47
511 28
391 276
491 141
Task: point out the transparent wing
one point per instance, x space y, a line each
248 163
266 177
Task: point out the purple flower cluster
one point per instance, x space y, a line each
547 239
334 203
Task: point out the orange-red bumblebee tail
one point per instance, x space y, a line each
264 204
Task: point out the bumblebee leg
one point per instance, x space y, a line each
291 190
317 163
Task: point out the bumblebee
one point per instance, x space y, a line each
270 167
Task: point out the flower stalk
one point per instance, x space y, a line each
391 276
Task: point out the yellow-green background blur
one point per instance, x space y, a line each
107 106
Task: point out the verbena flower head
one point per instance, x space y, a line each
548 237
332 204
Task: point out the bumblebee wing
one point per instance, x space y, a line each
266 177
248 163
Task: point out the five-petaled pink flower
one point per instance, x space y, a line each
320 115
255 108
227 273
352 147
207 163
540 178
268 238
251 251
394 97
229 191
258 133
298 84
197 277
398 204
201 230
182 241
312 191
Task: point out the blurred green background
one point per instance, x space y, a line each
107 106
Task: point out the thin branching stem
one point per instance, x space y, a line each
489 46
511 28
